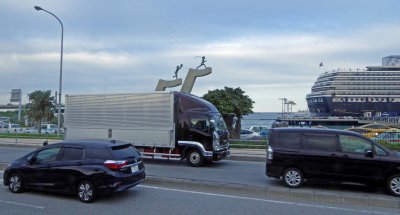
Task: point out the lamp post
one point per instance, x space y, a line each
61 62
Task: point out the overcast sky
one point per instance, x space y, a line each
270 49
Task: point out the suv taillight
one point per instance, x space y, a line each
115 165
270 152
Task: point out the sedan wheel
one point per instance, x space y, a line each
393 185
15 183
86 191
293 178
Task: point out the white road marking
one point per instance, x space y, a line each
21 204
269 201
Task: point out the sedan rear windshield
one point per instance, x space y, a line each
124 151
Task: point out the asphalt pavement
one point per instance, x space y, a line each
247 158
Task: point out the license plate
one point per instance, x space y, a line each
134 168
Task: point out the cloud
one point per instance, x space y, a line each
266 66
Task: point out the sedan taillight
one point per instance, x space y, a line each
115 165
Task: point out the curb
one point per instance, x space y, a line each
273 193
252 158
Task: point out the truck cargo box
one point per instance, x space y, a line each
144 119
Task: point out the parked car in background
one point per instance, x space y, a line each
262 130
391 136
246 134
31 130
298 155
363 131
83 168
48 129
375 128
14 128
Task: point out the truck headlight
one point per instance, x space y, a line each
216 140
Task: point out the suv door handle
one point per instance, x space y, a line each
345 156
333 155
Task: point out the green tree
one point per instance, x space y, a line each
41 107
231 101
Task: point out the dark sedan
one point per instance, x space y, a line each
84 168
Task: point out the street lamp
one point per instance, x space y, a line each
61 62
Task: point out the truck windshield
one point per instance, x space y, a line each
220 125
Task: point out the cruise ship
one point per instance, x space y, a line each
370 92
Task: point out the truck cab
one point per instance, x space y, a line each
201 130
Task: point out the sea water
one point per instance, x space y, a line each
260 119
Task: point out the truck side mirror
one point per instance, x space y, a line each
212 124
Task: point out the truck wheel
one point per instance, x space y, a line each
293 178
194 158
393 185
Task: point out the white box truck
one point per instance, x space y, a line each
165 125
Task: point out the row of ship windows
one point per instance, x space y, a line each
358 93
325 75
365 99
357 82
316 100
358 79
356 88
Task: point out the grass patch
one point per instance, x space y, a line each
32 136
248 144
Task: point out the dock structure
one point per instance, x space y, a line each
315 121
351 121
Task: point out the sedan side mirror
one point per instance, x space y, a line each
32 160
368 153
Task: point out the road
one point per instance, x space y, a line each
225 171
157 200
243 178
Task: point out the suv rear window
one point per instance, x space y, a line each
289 139
123 151
319 142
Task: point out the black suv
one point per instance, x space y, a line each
306 154
84 168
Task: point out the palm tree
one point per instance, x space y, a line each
41 106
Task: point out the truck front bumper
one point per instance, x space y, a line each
217 155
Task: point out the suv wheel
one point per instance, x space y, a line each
393 185
293 178
15 183
86 191
194 158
